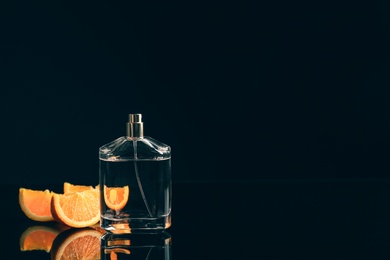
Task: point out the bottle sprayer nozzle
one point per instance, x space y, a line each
135 118
135 126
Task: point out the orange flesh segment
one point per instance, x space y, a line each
69 187
36 204
78 209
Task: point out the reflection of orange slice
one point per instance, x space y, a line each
77 244
116 197
98 228
119 242
113 256
36 204
114 251
38 238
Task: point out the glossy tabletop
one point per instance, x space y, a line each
285 219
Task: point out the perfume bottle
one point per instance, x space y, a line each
135 182
140 246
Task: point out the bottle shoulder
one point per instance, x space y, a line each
141 148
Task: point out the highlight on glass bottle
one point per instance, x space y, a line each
135 181
142 246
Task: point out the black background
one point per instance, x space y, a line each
241 91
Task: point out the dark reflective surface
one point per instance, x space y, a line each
136 246
263 220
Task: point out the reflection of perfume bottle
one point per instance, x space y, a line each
145 246
135 181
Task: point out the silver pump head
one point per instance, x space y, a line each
135 126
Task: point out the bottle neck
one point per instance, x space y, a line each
135 130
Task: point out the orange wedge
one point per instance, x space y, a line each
77 244
116 197
36 204
76 209
69 187
38 238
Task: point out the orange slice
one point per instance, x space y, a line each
36 204
116 197
76 209
69 187
38 238
77 244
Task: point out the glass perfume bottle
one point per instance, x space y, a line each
135 181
